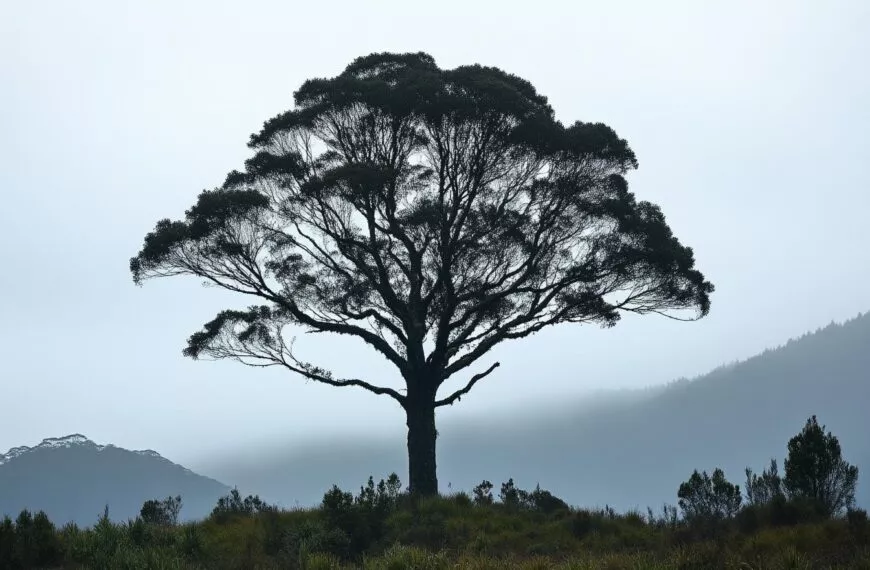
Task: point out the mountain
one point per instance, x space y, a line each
72 479
629 451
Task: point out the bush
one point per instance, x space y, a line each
545 502
7 543
762 489
161 513
402 557
362 518
483 493
791 512
510 496
233 506
858 524
706 498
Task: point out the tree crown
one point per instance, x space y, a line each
432 213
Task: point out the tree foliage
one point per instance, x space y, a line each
161 512
233 505
815 469
706 498
433 214
764 488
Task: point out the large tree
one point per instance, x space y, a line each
432 213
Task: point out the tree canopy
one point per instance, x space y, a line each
816 470
431 213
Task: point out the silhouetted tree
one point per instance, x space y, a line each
7 543
706 498
233 505
815 469
483 493
762 489
431 213
47 550
163 512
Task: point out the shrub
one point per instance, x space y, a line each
762 489
362 518
232 506
858 523
708 498
510 496
310 537
586 522
483 493
668 519
402 557
779 512
162 513
7 543
545 502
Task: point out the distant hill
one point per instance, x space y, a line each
72 479
626 451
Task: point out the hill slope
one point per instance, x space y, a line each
72 479
631 452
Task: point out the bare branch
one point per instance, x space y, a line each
448 401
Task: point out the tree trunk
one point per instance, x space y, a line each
423 478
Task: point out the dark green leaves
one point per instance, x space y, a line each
254 325
433 213
214 210
815 469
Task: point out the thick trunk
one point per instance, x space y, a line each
423 478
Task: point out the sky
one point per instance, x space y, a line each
750 121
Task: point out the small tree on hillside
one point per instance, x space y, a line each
432 214
233 505
163 512
815 470
706 498
764 488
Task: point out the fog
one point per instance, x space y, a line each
750 123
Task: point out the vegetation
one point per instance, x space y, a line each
163 512
815 470
433 214
382 527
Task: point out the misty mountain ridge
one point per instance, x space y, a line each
72 479
628 449
67 442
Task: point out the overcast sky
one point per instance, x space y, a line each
749 119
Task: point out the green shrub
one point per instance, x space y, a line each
233 506
163 512
7 543
483 493
362 518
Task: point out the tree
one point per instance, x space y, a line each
433 214
764 488
816 471
233 505
164 513
705 498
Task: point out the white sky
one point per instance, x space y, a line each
750 121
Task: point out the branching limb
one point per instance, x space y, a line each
448 401
254 337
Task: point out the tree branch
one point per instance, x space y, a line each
448 401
